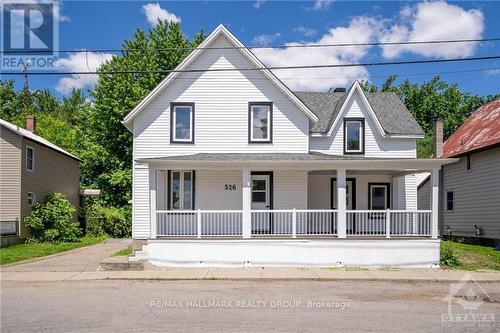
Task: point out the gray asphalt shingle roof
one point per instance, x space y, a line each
388 107
252 157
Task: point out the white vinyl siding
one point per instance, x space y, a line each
221 115
375 144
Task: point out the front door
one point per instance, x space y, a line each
261 200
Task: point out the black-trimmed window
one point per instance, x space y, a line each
31 199
467 163
450 200
260 122
181 190
379 196
354 136
30 159
182 122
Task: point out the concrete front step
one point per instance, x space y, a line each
121 263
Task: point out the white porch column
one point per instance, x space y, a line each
246 194
434 202
341 204
152 201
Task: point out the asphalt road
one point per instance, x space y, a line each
246 306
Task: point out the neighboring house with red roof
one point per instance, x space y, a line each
471 187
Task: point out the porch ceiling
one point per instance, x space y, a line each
295 161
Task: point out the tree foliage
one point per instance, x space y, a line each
53 220
435 98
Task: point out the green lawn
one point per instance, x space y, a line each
123 252
469 257
21 252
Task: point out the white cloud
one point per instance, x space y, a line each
491 72
360 29
257 4
154 12
321 4
265 39
304 31
434 21
80 62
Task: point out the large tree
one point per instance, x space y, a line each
433 99
110 153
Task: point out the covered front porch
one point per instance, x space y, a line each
277 197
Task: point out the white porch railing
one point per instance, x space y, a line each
292 223
389 223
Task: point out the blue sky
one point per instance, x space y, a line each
105 24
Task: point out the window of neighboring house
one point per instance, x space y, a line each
182 122
182 190
260 122
379 196
354 136
467 163
450 200
31 199
30 159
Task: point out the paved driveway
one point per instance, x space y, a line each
78 260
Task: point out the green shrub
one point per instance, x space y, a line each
448 257
111 221
52 220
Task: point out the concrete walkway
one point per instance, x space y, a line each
78 260
83 264
270 274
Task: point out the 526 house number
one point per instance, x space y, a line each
230 187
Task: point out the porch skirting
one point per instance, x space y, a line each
417 253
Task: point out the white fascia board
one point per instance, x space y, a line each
221 29
356 86
407 165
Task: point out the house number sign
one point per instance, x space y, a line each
230 187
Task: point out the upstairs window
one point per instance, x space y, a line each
182 122
260 122
467 163
354 136
30 159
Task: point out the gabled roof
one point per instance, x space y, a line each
220 30
388 108
33 137
480 131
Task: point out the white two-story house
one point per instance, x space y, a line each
232 168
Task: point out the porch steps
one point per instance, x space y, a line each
140 255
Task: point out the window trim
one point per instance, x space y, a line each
452 191
362 138
32 159
388 194
181 188
270 122
33 200
468 163
173 115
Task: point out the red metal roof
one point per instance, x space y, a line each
481 130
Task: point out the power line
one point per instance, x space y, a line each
160 71
281 46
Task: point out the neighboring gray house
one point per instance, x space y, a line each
470 191
30 168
